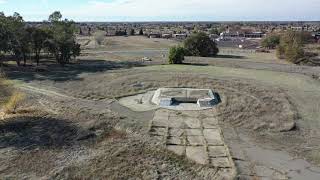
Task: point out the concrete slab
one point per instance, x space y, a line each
217 151
176 132
193 132
175 141
210 123
179 150
220 162
195 140
175 122
197 154
213 137
191 123
158 131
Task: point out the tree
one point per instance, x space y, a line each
291 46
141 32
38 38
5 36
62 43
16 25
132 32
55 17
214 31
200 44
176 55
271 41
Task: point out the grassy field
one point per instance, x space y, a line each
77 130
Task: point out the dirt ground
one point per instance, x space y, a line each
72 125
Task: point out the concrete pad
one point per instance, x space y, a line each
213 137
197 154
176 132
193 132
209 123
217 151
196 140
162 112
159 124
175 122
158 131
191 123
220 162
175 141
179 150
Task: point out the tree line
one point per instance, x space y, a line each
56 37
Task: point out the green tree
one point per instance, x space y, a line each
39 36
132 32
200 44
55 17
5 36
271 41
141 32
62 43
214 31
176 55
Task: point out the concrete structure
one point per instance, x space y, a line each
185 97
196 135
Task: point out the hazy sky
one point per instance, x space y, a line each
166 10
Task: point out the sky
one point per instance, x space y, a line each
166 10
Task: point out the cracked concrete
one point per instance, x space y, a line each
196 135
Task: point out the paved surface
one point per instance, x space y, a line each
195 134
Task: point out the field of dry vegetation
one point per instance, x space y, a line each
70 126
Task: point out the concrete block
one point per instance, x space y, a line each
179 150
176 132
158 131
213 137
197 154
207 102
175 141
193 132
220 162
195 140
191 123
217 151
210 123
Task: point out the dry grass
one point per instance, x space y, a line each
14 101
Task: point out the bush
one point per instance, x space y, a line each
271 41
176 55
200 44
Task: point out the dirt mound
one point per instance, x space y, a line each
245 104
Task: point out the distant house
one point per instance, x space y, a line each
167 36
154 35
316 35
254 35
180 36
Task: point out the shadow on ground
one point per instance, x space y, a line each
38 132
230 56
52 71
